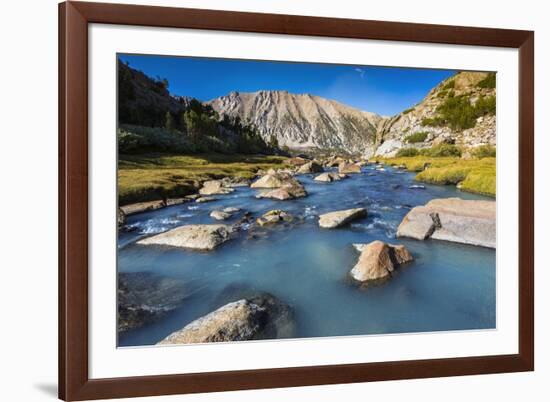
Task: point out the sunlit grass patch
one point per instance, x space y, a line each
158 176
473 175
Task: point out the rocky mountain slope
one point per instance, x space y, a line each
460 110
303 121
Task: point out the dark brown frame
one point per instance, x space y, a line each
74 17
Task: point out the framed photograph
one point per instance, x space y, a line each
260 200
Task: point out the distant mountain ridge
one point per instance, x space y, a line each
302 121
460 110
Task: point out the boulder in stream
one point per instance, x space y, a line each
310 167
275 180
346 167
195 237
220 215
329 177
260 317
274 216
340 218
214 187
283 185
452 219
378 260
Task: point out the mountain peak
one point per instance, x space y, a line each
302 120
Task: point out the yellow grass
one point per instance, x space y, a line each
156 176
473 175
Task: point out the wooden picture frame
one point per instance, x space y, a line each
74 381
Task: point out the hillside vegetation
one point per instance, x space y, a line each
460 111
152 120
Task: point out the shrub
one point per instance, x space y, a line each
442 94
404 152
486 105
408 110
484 151
488 82
416 137
432 122
442 150
459 114
449 85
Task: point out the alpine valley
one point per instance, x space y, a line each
273 214
460 110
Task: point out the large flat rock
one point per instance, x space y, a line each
196 237
452 219
340 218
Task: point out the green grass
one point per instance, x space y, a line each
416 137
474 175
158 176
436 151
484 151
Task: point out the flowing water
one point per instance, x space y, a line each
448 286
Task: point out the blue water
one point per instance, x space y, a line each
447 287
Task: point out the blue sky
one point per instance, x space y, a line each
383 90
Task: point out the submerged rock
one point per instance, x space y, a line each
330 177
378 260
310 167
274 216
196 237
231 210
214 187
260 317
224 214
220 215
339 218
452 219
349 168
143 297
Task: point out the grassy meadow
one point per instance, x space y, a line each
148 177
472 175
